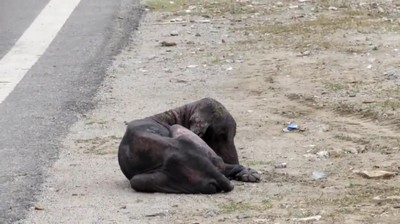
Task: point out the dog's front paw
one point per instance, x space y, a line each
248 175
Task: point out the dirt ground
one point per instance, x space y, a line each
332 67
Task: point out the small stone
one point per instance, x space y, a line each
174 33
160 214
280 165
197 35
351 150
190 42
242 216
123 207
375 48
336 153
279 4
38 208
369 66
375 174
304 53
167 44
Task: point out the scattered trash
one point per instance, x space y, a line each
279 4
211 213
204 21
375 174
168 44
280 165
229 68
323 154
142 70
293 127
307 219
333 8
318 175
369 66
392 74
192 66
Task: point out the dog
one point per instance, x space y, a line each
188 149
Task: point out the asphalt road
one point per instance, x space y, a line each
36 116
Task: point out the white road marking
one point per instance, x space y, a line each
33 43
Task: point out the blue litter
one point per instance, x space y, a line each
292 126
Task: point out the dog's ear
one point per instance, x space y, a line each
198 125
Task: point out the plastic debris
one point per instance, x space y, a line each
307 219
293 127
318 175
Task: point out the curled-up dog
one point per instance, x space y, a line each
189 149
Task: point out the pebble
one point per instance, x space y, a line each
336 153
167 44
242 216
351 150
157 214
174 33
375 174
38 208
280 165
